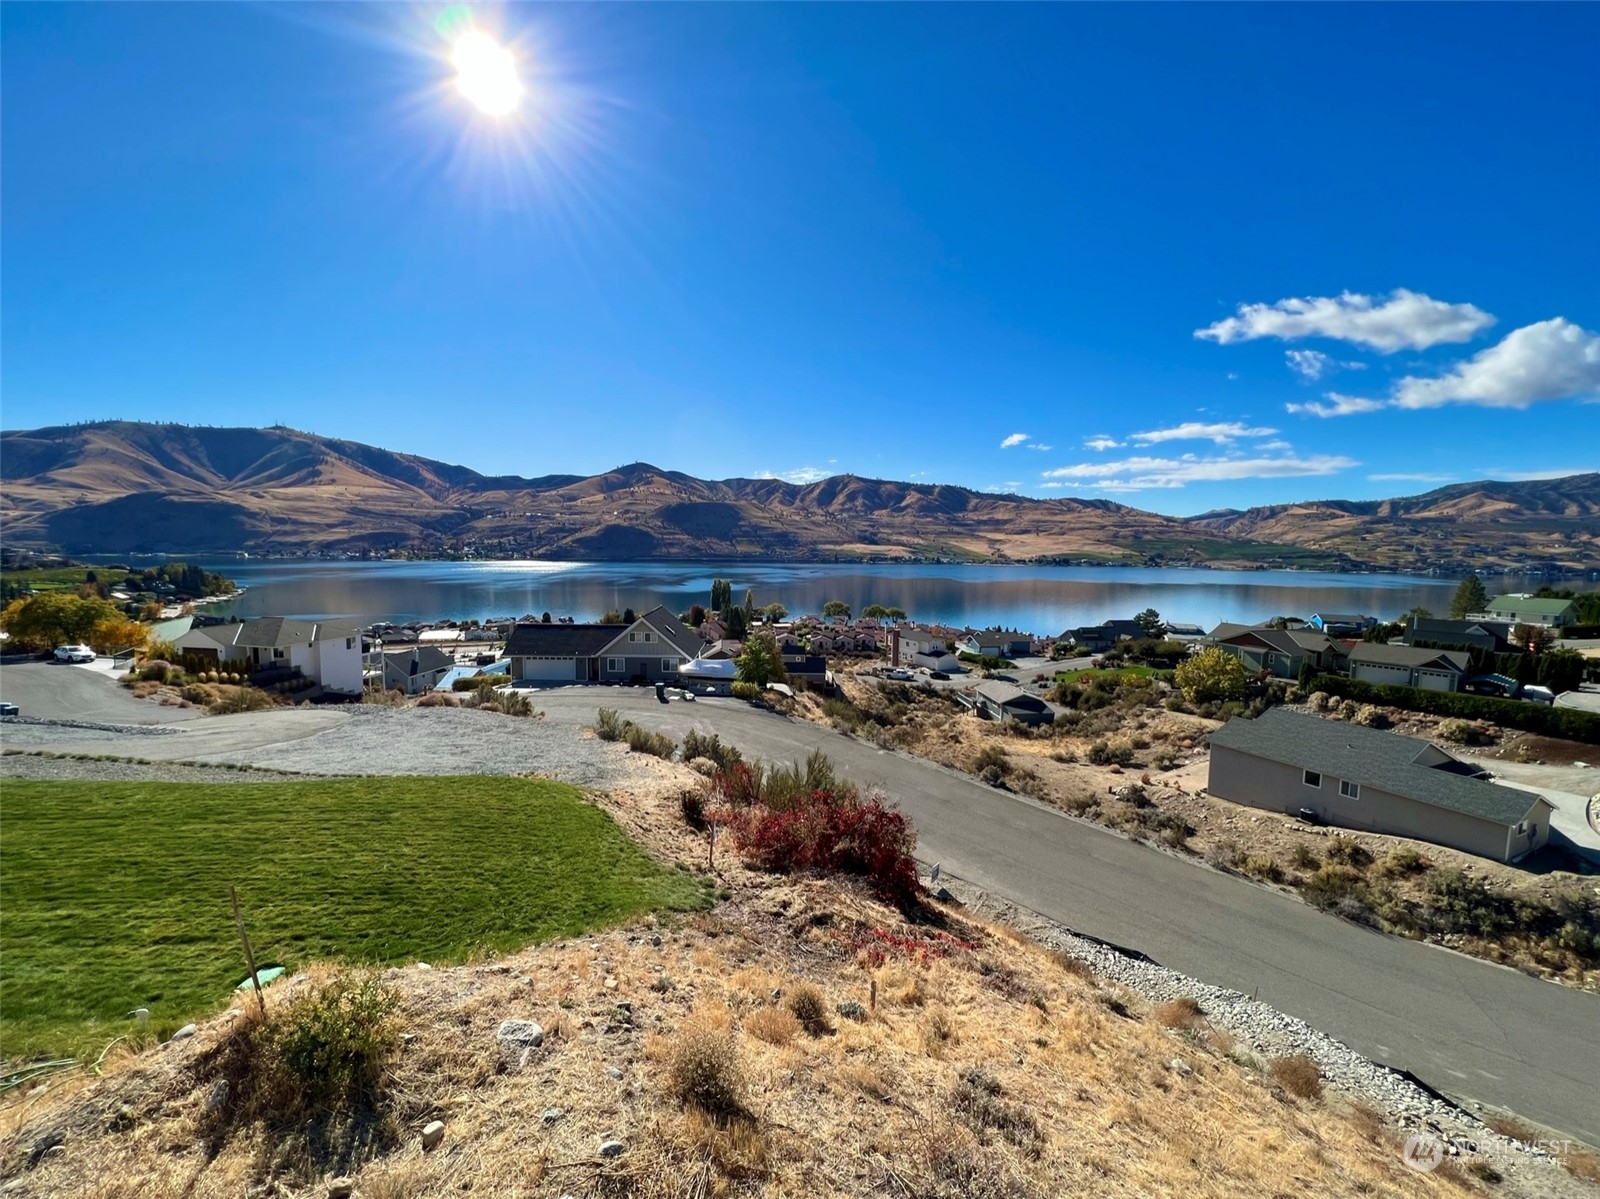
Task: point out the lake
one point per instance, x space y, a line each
1040 599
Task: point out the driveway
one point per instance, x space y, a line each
1568 788
1471 1029
58 691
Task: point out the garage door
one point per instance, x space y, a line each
1369 673
558 670
1436 680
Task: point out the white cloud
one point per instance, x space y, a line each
1341 405
1550 360
1015 439
1402 320
1101 443
1220 433
1039 445
1140 473
801 474
1313 364
1517 476
1410 477
1277 444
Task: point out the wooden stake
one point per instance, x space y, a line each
249 954
872 1000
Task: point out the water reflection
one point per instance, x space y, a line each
1039 599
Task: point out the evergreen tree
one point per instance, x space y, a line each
1470 597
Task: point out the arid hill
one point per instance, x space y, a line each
126 486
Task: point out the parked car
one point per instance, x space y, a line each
74 653
938 674
9 710
1537 695
899 674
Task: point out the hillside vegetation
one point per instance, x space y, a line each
125 487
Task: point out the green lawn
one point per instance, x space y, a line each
115 896
1120 672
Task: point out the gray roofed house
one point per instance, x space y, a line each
415 671
1526 609
1490 635
1383 782
650 650
1279 652
1409 666
328 652
1005 701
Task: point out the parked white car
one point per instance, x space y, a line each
899 675
1537 695
74 653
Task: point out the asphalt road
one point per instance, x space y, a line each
1470 1029
59 691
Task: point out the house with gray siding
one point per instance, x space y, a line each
650 650
1409 666
1528 609
1280 652
1381 782
996 700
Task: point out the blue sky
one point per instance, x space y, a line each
1182 256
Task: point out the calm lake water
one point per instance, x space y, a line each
1041 599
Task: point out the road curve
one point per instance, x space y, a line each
1469 1028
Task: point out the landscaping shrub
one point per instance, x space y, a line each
703 1071
1462 732
1298 1075
774 1025
333 1040
241 699
991 757
1347 852
642 741
743 690
1403 862
1180 1013
831 828
1572 724
693 806
1263 866
709 745
1371 717
479 682
608 725
438 699
1303 858
1110 753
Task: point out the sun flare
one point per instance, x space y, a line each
486 74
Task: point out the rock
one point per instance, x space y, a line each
520 1032
611 984
217 1095
1181 1067
424 966
407 1037
611 1148
432 1135
341 1188
184 1033
614 1073
656 941
551 1115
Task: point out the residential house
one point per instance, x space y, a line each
712 629
996 700
1282 653
728 648
1488 635
997 643
709 676
415 671
1098 638
1341 624
1526 609
328 652
650 650
939 660
908 640
1184 632
1362 778
800 664
1409 666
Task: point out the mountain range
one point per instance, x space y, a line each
125 487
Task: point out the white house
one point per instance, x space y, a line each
328 652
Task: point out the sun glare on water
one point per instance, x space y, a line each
486 74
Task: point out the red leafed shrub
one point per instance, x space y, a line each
827 830
738 786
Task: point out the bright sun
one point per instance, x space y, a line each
486 74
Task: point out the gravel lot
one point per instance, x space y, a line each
27 766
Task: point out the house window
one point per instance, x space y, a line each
616 665
1349 790
1312 779
669 665
633 636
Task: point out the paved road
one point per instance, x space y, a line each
58 691
1471 1029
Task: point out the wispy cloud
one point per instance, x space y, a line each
1276 444
1140 473
1410 477
1101 443
1313 364
1039 445
1550 360
1222 433
800 474
1402 320
1338 405
1015 439
1518 476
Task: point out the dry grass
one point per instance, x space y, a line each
774 1025
1298 1074
1182 1013
952 1087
